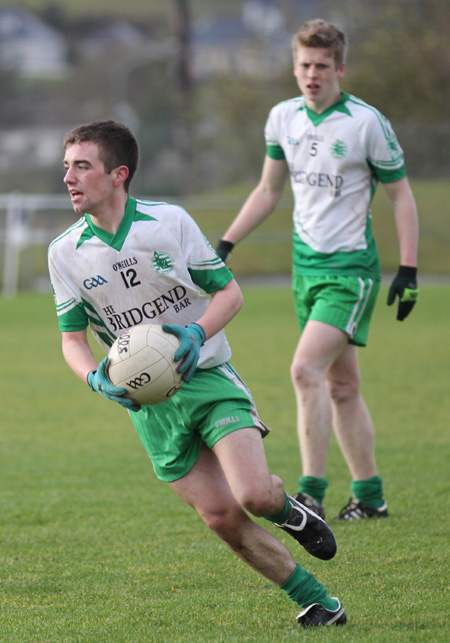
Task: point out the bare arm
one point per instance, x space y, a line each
406 220
261 202
78 353
223 307
404 285
225 304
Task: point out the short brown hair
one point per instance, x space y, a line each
117 145
318 33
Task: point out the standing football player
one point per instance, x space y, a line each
127 261
335 148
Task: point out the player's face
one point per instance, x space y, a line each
91 189
318 77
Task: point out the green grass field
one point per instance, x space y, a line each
94 548
268 250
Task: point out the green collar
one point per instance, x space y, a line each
114 240
339 106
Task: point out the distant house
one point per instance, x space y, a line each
230 46
103 35
29 46
255 42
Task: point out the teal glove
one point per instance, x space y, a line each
224 249
405 287
99 382
192 338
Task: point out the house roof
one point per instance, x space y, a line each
29 45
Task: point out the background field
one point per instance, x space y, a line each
268 250
94 548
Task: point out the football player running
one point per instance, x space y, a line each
128 261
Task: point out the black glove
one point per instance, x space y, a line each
224 249
405 286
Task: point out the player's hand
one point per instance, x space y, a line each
192 338
404 286
224 249
99 382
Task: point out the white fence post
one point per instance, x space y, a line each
15 239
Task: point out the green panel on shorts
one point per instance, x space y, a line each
214 403
346 303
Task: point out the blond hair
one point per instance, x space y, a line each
318 33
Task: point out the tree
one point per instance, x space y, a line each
399 58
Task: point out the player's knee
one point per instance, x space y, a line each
260 502
302 375
223 524
343 390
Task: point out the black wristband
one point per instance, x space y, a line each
225 245
407 271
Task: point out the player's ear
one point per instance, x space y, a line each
341 70
120 174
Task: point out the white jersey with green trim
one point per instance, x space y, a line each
335 161
157 269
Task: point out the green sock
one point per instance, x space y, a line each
303 588
281 518
314 487
369 491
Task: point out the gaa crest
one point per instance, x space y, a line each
162 262
338 149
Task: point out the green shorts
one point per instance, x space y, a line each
214 403
344 302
